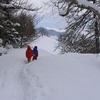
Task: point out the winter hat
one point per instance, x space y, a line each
28 47
35 47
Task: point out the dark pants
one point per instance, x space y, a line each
28 59
34 57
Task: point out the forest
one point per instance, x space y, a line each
18 19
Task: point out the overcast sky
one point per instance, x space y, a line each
51 17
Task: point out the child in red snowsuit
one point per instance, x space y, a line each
29 53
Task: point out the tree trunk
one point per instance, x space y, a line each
97 37
21 45
96 33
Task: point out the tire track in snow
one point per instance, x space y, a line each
10 69
16 81
34 90
10 87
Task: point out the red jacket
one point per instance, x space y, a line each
29 52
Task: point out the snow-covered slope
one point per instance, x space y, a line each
48 44
52 77
68 77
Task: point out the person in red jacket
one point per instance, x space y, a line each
29 53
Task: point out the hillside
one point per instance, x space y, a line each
50 32
47 43
71 76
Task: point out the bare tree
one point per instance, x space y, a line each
26 29
43 31
80 19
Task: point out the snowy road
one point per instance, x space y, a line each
10 80
17 82
71 76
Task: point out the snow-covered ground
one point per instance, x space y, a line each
71 76
48 44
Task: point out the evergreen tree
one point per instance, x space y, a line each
9 32
8 27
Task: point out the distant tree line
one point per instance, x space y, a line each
42 31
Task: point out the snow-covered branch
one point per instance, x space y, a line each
12 6
86 4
